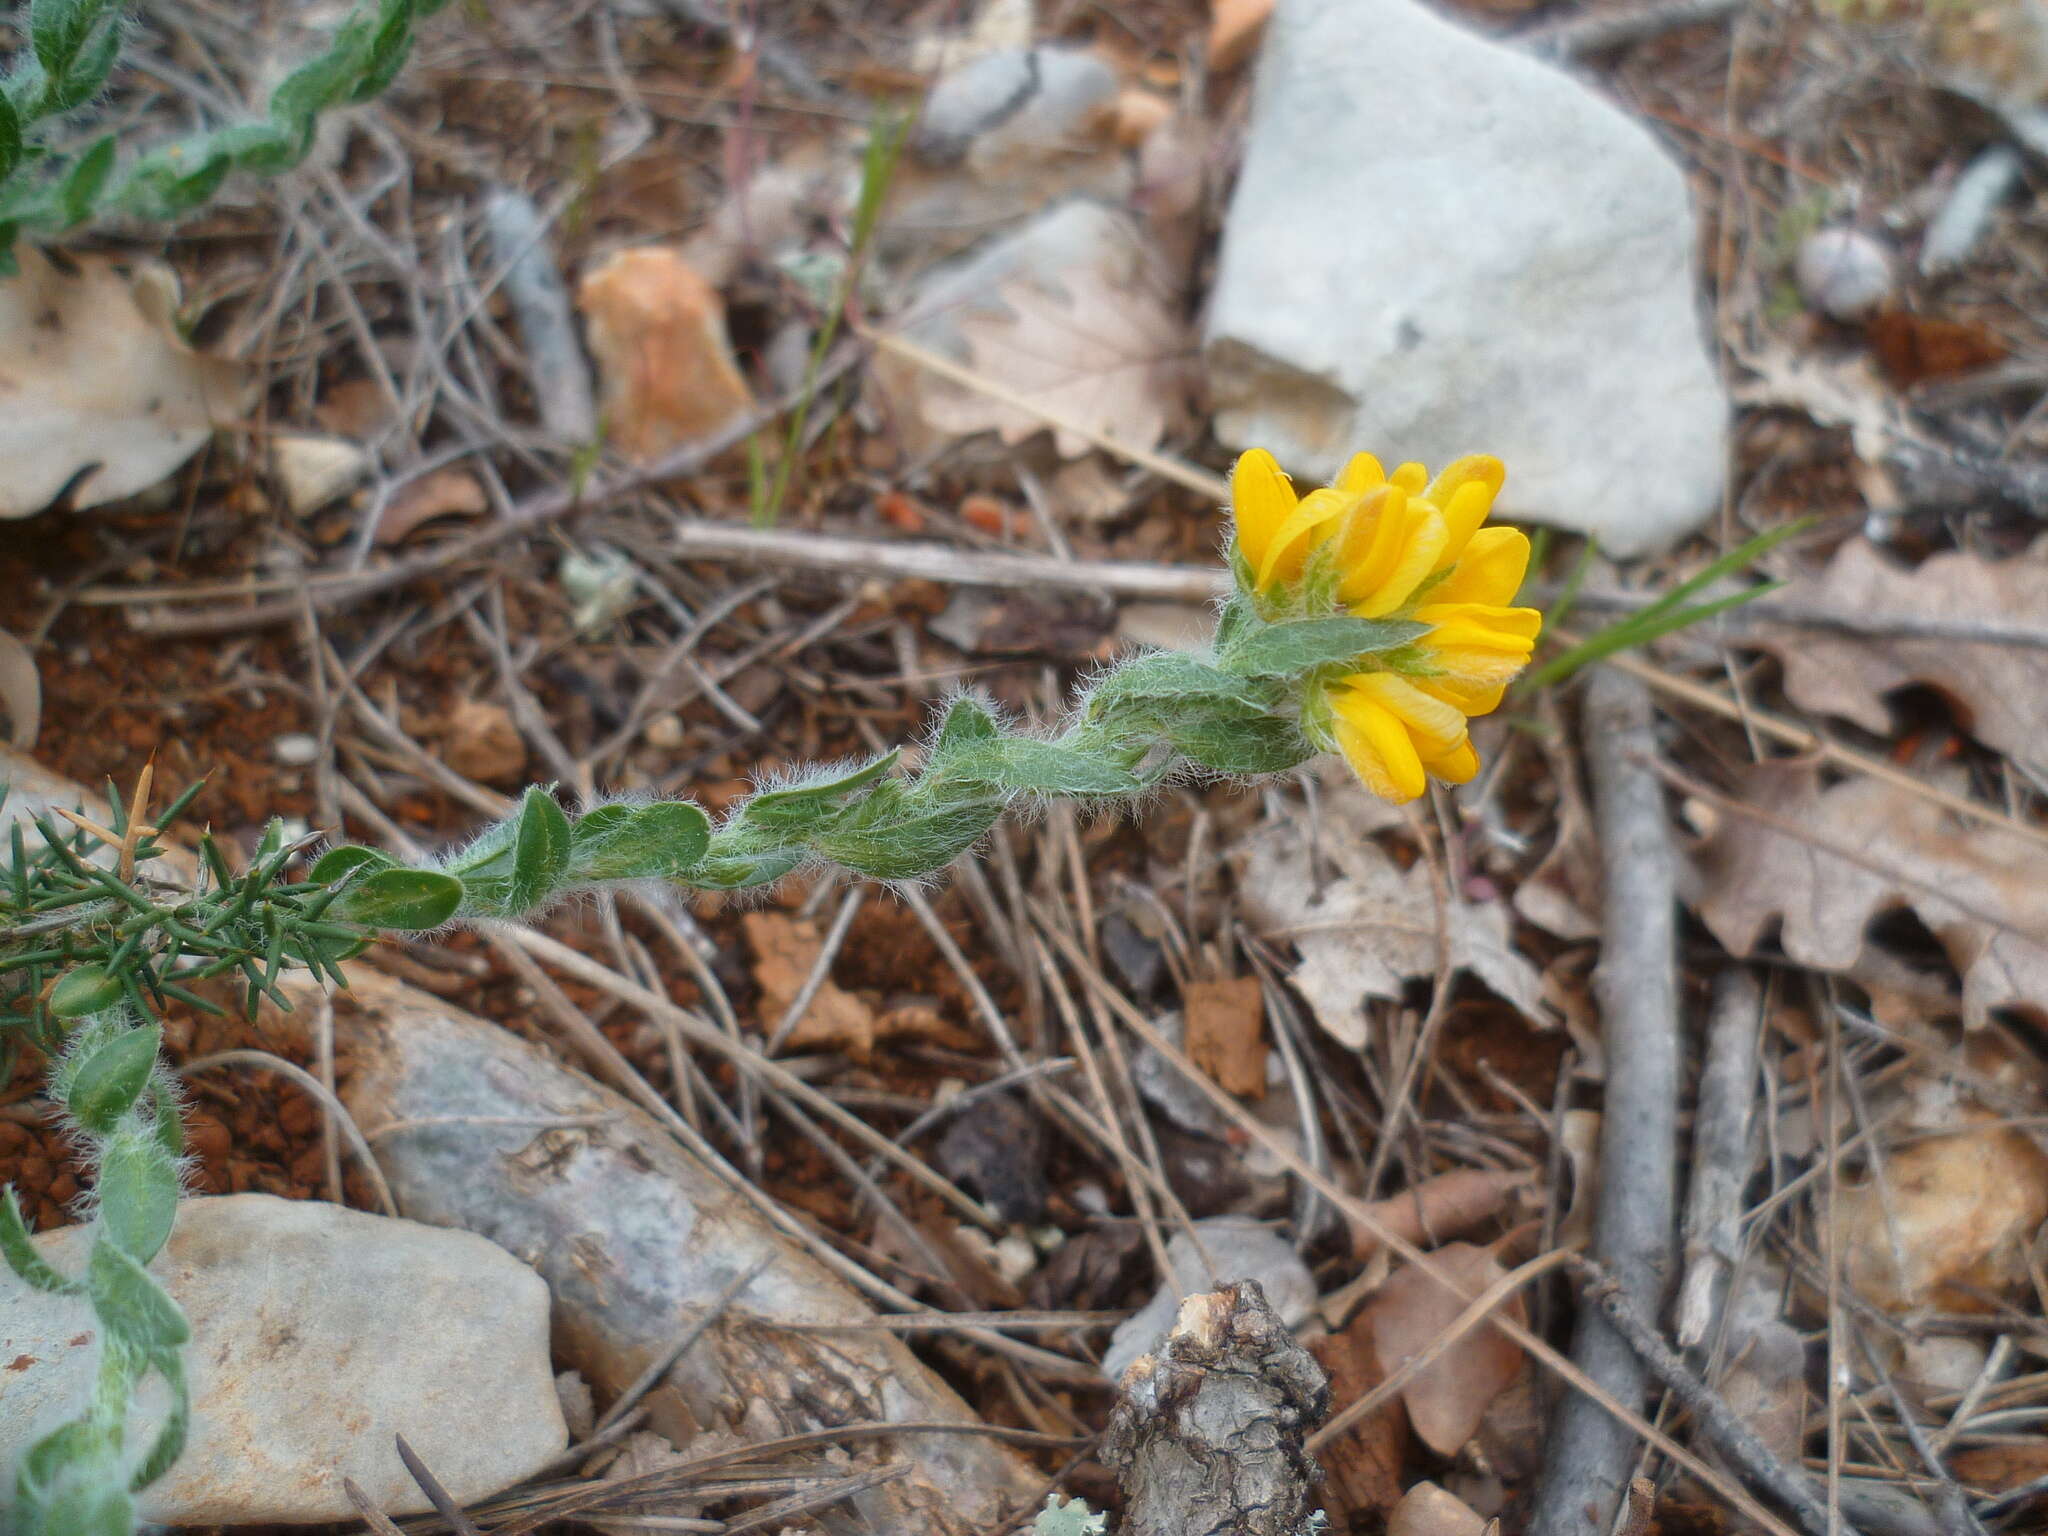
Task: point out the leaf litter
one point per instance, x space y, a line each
1822 862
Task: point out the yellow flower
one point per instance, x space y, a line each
1401 546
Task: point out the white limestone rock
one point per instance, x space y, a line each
318 1334
1440 246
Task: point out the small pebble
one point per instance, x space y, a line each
1844 273
664 731
295 750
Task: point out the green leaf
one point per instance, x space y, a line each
1224 741
82 183
110 1080
138 1190
389 47
10 138
1171 677
906 831
170 1439
70 1484
639 842
1666 614
20 1252
1638 629
722 870
967 722
1298 647
85 69
88 989
540 850
337 863
802 805
59 29
1021 764
131 1303
407 900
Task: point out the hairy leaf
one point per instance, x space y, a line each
88 989
803 805
1302 645
406 900
138 1190
131 1303
337 863
170 1439
639 842
109 1081
1024 765
20 1253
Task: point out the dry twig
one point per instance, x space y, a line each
1591 1455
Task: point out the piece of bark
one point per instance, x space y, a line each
1226 1033
1592 1455
1721 1156
1362 1466
1207 1439
635 1235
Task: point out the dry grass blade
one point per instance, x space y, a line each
437 1496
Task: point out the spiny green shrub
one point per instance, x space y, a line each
72 48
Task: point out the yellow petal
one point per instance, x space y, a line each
1473 699
1261 499
1489 569
1457 765
1422 542
1473 469
1463 514
1378 747
1481 624
1314 520
1362 474
1411 478
1465 490
1437 726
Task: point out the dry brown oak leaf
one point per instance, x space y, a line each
1999 692
1827 861
1111 359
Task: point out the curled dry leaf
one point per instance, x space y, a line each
1432 1511
481 741
2000 692
785 950
1829 860
444 493
658 331
1108 355
98 392
1443 1205
1950 1225
1367 933
1450 1395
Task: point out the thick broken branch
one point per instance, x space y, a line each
1207 1439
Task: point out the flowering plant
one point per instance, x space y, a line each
1401 550
1370 617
